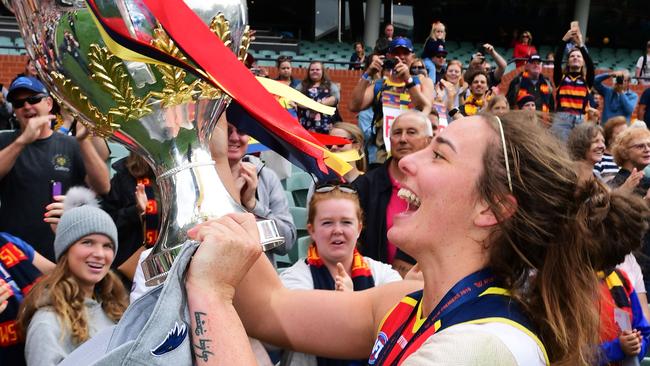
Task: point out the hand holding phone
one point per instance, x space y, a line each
56 188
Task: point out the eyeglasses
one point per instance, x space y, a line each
641 146
34 99
417 69
330 186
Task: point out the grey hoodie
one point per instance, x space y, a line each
272 204
47 342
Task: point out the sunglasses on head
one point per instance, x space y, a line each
330 186
34 99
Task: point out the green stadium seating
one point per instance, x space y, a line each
299 215
298 184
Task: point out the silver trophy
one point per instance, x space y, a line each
155 109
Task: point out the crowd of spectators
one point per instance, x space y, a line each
63 279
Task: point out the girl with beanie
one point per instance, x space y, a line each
80 296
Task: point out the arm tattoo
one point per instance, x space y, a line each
202 348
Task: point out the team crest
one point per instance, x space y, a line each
376 349
61 163
173 339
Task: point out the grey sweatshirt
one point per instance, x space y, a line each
48 342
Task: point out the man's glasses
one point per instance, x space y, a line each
34 99
330 186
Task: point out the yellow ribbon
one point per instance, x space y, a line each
349 156
282 90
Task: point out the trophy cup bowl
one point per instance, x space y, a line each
157 110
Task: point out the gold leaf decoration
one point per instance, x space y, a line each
221 27
245 42
109 71
176 91
103 126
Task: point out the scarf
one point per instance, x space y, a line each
473 105
361 280
150 218
526 86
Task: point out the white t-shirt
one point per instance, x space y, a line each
646 71
633 272
138 287
487 344
298 277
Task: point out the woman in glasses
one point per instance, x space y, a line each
353 133
506 237
333 261
632 153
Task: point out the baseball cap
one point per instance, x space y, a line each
440 49
534 57
27 83
400 42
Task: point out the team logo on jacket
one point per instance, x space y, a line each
376 349
61 163
173 339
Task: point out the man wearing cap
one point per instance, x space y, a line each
389 88
34 157
436 64
532 82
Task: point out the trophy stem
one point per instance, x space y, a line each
190 194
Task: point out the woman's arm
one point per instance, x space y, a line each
328 323
557 62
589 64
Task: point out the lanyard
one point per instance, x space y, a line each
467 289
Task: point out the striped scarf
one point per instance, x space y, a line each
361 279
473 105
526 86
150 220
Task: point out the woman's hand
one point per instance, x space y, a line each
140 199
246 183
5 294
53 212
229 247
630 342
342 279
632 181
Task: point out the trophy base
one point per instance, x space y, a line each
156 265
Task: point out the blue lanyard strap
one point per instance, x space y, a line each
467 289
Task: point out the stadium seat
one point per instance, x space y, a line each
290 199
302 244
298 184
299 215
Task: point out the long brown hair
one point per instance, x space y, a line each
325 81
557 235
62 292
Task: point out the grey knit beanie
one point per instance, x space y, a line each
81 217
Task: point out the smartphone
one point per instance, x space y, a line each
575 25
619 80
56 188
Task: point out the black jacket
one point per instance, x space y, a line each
120 204
374 189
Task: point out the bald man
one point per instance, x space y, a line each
378 189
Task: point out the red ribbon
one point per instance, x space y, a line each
208 52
